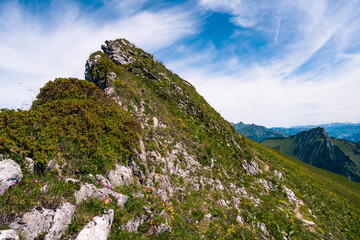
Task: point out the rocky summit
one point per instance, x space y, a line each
134 152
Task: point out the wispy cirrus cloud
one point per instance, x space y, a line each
304 71
275 63
38 47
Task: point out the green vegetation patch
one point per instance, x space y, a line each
73 120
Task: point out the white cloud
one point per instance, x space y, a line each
307 79
306 73
35 50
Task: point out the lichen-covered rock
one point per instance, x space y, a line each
133 224
269 186
163 186
219 185
278 174
120 176
155 122
251 168
99 228
207 217
30 165
117 52
290 194
89 67
91 191
62 219
10 174
33 223
239 220
262 226
103 180
52 165
160 229
8 235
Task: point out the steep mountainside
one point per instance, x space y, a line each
148 158
318 149
256 132
348 131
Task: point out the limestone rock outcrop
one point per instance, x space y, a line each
99 228
10 174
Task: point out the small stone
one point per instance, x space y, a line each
30 165
45 189
156 122
278 174
239 220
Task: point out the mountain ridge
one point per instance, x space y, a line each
186 175
317 148
348 131
256 132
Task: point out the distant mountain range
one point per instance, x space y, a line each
318 149
257 133
348 131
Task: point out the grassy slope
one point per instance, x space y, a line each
206 136
333 198
288 146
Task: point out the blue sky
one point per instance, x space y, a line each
273 63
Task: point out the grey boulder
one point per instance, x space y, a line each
10 174
8 235
98 229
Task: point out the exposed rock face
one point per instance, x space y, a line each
251 168
278 174
89 67
133 225
62 219
104 181
290 194
98 229
164 186
120 176
10 174
269 186
160 229
90 190
33 223
8 235
263 228
117 52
